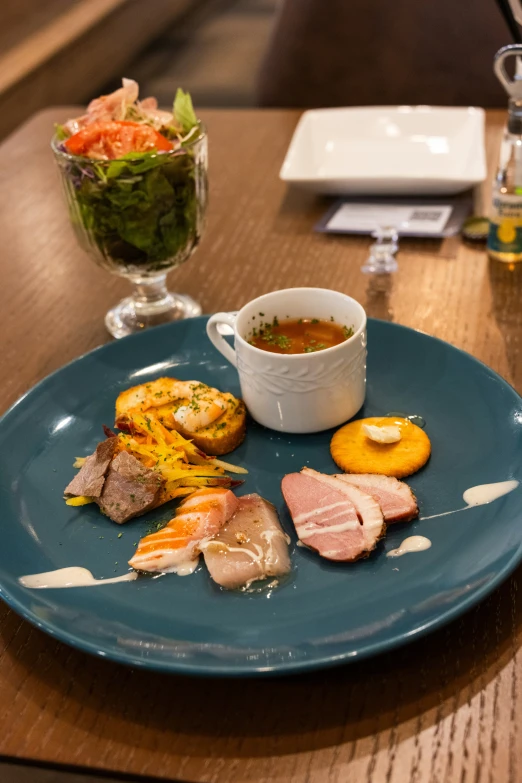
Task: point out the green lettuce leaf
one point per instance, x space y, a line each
141 210
60 132
133 163
184 111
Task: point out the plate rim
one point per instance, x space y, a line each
240 670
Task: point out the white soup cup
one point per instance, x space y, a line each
299 393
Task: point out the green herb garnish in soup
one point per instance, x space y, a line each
298 335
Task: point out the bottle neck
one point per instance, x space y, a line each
514 123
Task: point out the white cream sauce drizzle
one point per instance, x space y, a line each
307 531
410 544
259 556
184 569
256 556
262 588
268 536
74 576
486 493
480 496
444 513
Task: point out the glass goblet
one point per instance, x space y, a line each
139 217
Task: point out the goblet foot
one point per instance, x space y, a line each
151 305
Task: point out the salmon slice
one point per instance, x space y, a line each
367 508
250 546
397 501
176 548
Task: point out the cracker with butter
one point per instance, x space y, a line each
391 446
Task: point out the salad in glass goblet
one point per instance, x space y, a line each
135 180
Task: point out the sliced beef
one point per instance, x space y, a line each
395 498
130 488
250 546
324 517
90 478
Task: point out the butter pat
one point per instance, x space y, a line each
389 433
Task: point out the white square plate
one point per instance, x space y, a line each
387 150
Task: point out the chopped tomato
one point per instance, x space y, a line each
109 140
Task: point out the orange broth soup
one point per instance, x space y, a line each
298 335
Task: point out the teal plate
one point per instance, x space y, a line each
325 613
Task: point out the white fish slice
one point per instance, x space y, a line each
250 546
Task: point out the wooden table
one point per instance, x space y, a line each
446 708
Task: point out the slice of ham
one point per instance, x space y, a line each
395 498
368 509
251 546
326 518
107 108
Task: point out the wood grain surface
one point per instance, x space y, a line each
445 708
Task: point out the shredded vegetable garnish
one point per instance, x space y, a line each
178 460
181 464
227 466
81 500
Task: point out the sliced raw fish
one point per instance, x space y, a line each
177 546
250 546
367 508
395 498
324 517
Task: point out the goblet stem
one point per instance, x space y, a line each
151 304
151 296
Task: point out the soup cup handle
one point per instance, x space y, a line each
217 339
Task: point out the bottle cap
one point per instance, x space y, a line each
476 229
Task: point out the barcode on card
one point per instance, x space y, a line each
426 214
417 219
